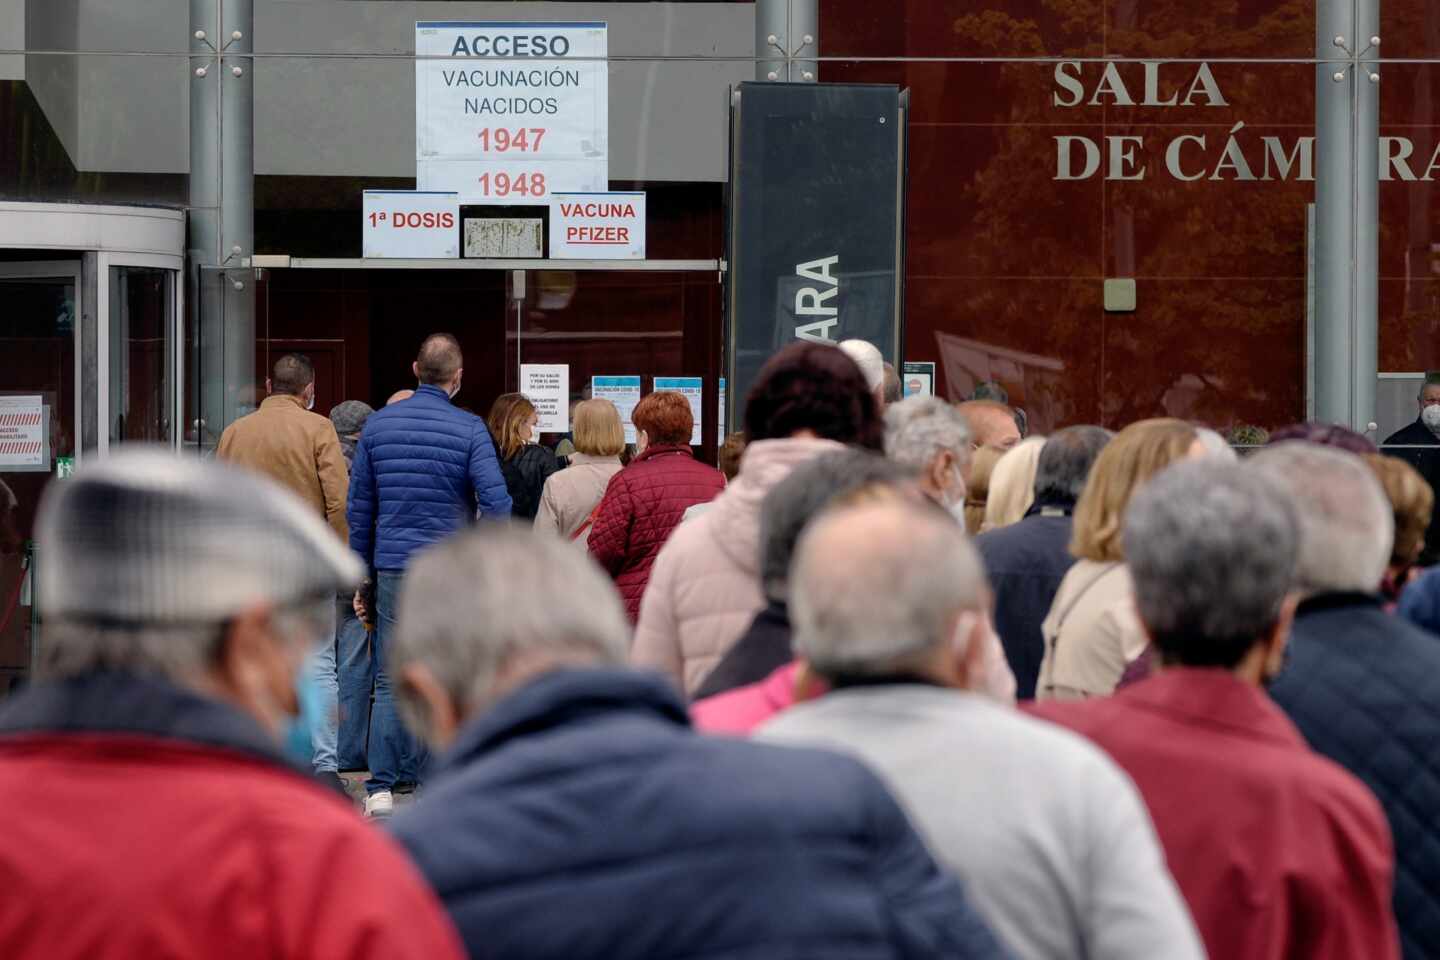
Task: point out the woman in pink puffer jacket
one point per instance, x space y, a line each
704 587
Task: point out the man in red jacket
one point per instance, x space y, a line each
1280 852
149 812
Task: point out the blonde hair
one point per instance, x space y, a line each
508 432
598 431
1136 454
1012 484
1412 500
977 489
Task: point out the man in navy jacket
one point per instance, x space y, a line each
1364 686
1027 560
576 813
423 469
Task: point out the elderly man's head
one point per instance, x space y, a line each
1346 523
894 389
992 424
200 574
1212 547
931 438
1065 463
889 589
808 490
488 610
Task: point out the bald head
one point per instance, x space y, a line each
399 395
992 424
878 588
1346 523
439 361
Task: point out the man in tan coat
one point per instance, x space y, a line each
297 448
301 451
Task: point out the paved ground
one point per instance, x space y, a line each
355 787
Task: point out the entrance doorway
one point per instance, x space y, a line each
38 425
90 358
361 322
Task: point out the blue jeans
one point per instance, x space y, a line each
356 679
323 734
395 755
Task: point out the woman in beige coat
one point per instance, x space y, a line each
572 494
704 589
1092 631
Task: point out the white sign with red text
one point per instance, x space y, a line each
413 224
509 112
597 226
23 433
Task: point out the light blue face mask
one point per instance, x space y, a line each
298 743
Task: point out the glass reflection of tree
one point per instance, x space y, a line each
1221 265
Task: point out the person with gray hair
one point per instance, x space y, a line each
894 389
1049 836
576 814
871 362
932 438
1213 549
159 814
753 682
1028 560
1363 686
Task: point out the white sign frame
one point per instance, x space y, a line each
615 231
921 372
417 238
470 78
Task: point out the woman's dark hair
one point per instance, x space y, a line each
816 387
1326 435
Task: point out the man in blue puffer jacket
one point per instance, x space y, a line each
422 470
577 815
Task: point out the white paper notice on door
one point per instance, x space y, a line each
547 385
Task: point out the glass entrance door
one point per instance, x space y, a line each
38 366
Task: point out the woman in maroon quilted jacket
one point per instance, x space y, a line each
646 500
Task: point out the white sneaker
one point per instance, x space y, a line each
379 804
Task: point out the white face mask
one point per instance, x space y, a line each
310 404
1430 416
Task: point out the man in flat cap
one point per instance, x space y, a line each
1419 446
151 811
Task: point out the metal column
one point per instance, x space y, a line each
1347 211
222 233
1365 363
784 30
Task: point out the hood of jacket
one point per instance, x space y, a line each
736 514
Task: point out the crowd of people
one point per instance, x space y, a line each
894 680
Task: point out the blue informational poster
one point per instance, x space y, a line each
624 392
720 427
692 388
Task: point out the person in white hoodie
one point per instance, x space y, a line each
704 589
